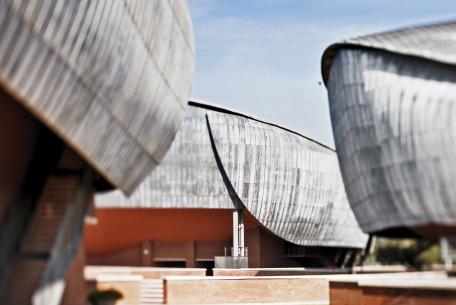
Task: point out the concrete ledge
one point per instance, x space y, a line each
276 271
412 283
274 303
118 278
380 269
90 272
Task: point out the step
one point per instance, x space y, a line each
152 295
151 298
151 301
152 285
151 288
152 282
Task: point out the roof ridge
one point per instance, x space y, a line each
217 108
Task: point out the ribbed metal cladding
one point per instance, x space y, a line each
436 42
187 177
392 117
291 184
110 77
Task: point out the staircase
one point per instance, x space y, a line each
50 239
151 292
35 250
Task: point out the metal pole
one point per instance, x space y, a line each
241 232
238 233
235 251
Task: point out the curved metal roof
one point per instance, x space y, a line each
436 42
392 120
111 77
291 184
187 177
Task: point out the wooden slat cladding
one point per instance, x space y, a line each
291 184
392 117
111 78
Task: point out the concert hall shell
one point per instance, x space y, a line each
392 100
91 96
224 159
111 78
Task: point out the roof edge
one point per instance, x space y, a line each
217 108
331 51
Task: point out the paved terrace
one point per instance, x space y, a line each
333 289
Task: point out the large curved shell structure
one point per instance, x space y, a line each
109 77
392 101
290 183
224 159
187 177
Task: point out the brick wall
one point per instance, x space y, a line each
345 293
128 257
128 285
245 290
380 296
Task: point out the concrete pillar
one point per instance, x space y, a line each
75 292
446 253
190 256
147 254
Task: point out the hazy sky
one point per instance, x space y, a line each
262 57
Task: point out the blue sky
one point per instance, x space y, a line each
262 57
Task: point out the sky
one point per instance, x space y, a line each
262 57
